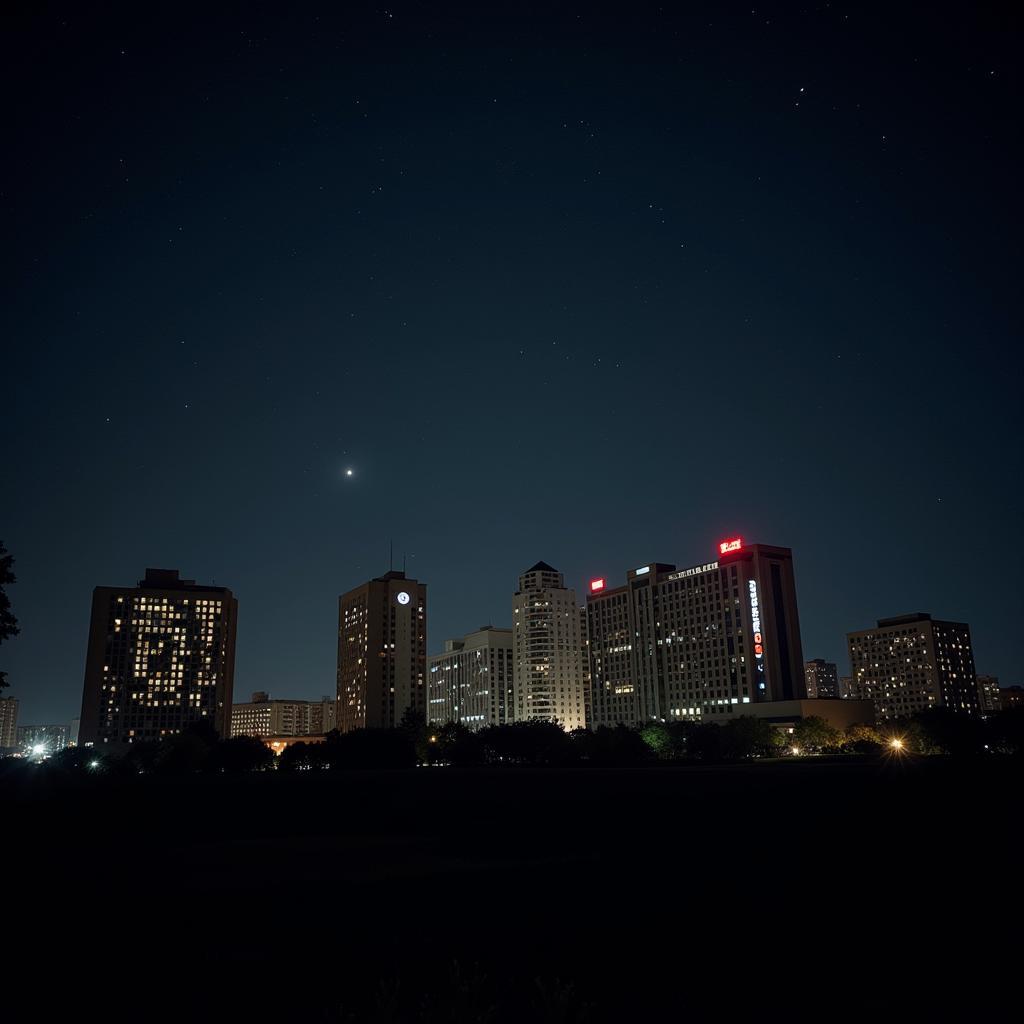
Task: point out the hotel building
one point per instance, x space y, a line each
686 644
471 682
549 675
822 679
161 656
382 652
912 663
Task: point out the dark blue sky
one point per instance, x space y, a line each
593 288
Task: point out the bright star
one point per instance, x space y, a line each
349 472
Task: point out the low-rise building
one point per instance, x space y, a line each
265 717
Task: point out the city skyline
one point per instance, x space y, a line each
303 690
506 286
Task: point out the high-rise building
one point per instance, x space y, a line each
846 687
43 739
161 657
382 652
822 679
8 723
690 643
988 695
265 717
471 682
549 676
912 663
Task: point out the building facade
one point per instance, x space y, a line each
912 663
549 675
323 716
822 679
8 723
988 695
382 652
49 739
161 657
471 682
265 717
688 644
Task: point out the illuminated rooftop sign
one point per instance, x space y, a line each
730 545
596 585
640 572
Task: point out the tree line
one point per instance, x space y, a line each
417 743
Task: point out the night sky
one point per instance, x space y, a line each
597 288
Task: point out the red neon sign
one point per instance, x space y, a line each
596 585
730 545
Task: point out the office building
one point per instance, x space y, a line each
846 687
323 716
822 679
265 717
784 714
471 682
161 657
43 739
8 723
988 695
687 644
912 663
382 652
549 676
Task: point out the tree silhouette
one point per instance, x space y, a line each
814 733
8 623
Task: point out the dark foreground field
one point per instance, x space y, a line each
857 889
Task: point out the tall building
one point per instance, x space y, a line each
471 682
689 643
988 695
8 723
912 663
382 652
846 688
549 676
50 739
265 717
161 657
821 678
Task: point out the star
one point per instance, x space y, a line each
349 472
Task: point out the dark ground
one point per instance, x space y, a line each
779 891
